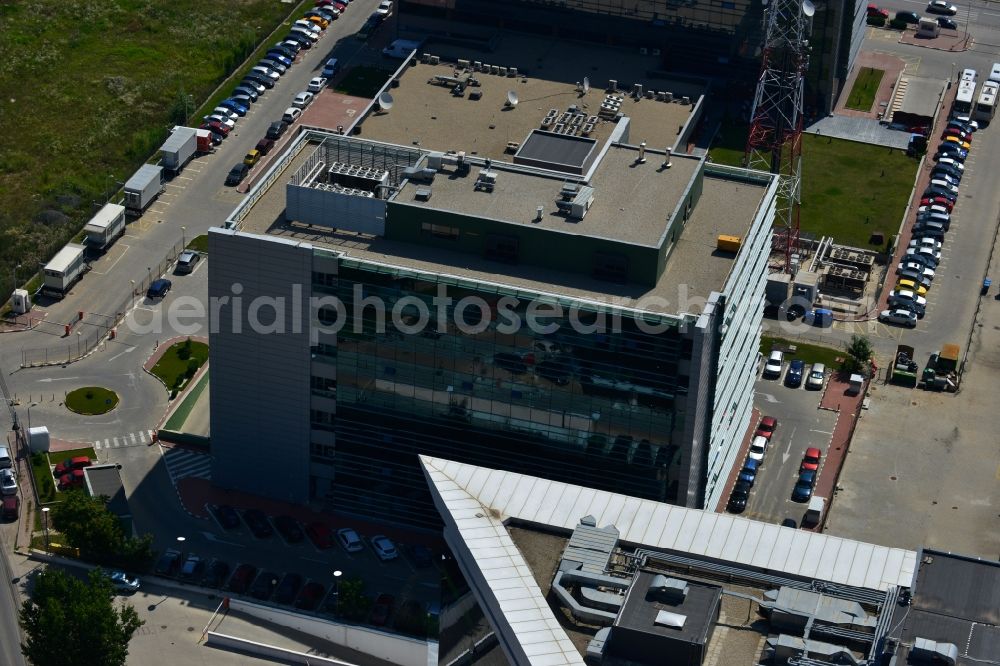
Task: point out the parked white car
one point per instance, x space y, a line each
223 120
227 113
302 100
384 8
316 84
266 71
758 447
925 242
773 366
817 375
350 540
384 548
899 316
291 114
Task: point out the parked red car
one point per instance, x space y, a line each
72 480
216 127
937 201
382 609
810 462
68 465
875 10
242 577
320 534
766 427
11 506
310 596
954 131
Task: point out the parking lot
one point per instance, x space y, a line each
801 424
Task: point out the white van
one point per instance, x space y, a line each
400 48
5 460
995 72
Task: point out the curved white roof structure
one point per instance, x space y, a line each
475 502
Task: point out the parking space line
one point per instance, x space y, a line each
822 432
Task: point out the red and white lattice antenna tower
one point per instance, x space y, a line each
775 140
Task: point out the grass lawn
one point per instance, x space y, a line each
363 81
808 353
730 144
113 76
199 243
91 400
177 419
44 481
863 91
850 189
173 365
57 457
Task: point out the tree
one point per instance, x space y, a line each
859 354
88 525
69 622
352 602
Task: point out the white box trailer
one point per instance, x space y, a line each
143 188
105 227
179 148
65 269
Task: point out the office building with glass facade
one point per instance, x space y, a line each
567 312
720 38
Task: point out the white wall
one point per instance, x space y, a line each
393 648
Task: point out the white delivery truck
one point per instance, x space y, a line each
105 227
64 270
179 148
143 188
400 48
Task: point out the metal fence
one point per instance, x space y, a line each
84 335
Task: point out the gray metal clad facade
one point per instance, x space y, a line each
259 393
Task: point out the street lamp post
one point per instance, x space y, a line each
45 515
183 237
132 282
16 266
336 582
34 404
149 275
78 335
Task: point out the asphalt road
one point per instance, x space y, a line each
976 15
801 424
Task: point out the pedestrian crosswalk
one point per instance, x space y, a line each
139 438
184 463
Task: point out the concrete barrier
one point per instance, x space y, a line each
396 649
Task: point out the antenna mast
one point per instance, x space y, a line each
774 143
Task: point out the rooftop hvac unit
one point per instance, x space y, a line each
503 71
637 90
650 94
477 65
494 69
513 71
559 128
463 63
588 129
643 50
613 85
435 60
685 100
655 52
425 57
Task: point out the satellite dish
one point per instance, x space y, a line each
512 98
385 101
586 85
808 8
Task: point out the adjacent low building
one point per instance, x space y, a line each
515 278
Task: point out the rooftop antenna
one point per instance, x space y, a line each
666 161
385 101
642 153
586 85
511 98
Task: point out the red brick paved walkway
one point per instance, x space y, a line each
948 40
